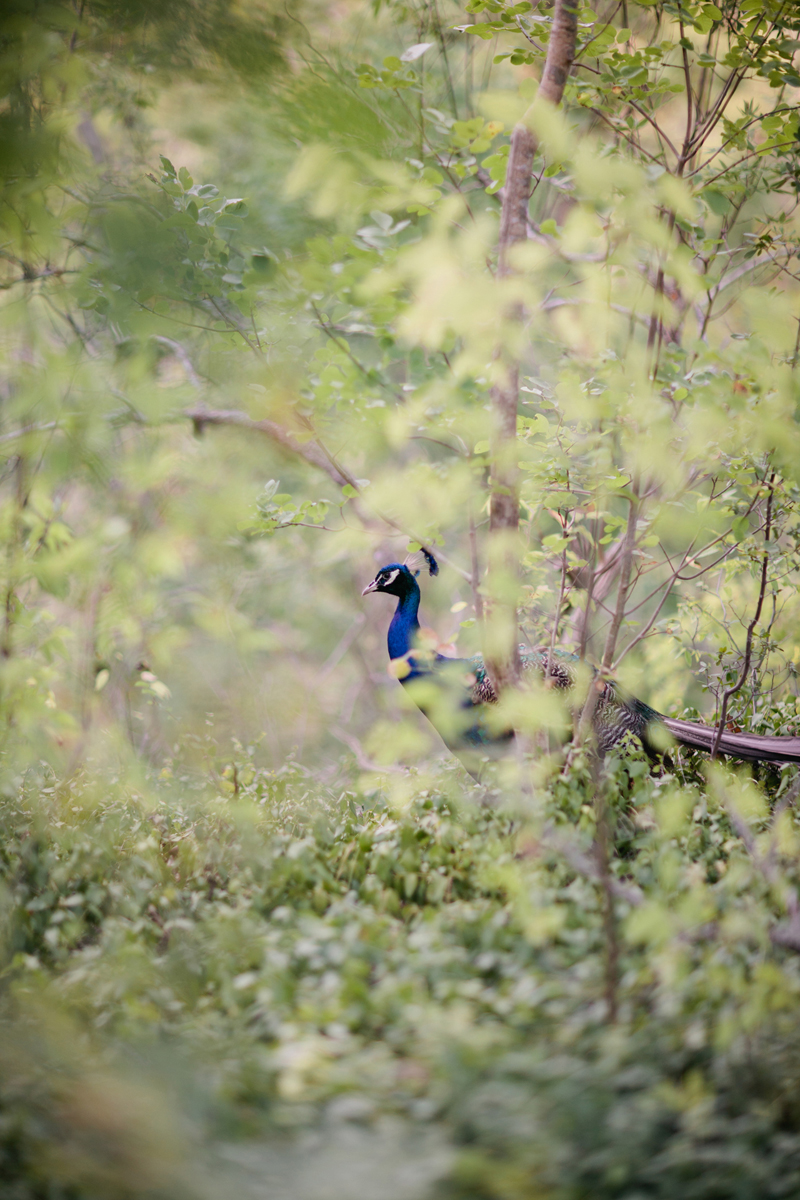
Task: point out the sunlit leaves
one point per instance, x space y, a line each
277 511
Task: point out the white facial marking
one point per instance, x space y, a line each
390 578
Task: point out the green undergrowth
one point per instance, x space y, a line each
195 976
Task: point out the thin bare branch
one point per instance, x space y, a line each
736 687
200 416
366 764
626 562
25 429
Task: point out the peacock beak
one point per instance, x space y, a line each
371 587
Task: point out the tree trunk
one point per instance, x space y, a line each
502 656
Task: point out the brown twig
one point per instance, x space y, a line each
557 617
731 691
18 433
477 598
626 562
366 764
200 416
586 718
610 931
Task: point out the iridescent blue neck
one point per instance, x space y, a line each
405 624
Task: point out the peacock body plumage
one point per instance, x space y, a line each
456 693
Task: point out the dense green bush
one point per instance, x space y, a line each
300 955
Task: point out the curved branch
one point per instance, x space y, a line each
200 416
312 452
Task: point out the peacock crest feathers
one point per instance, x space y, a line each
419 559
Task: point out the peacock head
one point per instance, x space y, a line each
399 578
394 578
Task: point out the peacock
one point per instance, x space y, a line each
454 693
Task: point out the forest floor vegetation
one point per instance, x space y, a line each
275 982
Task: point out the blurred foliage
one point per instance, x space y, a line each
260 932
392 963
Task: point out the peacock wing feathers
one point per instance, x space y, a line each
560 668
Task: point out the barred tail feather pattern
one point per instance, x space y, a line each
750 747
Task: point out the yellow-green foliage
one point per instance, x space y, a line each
290 958
261 936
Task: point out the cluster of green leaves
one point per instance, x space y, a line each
306 951
276 510
200 214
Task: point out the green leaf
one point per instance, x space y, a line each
204 191
719 204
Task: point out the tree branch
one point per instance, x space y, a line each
312 452
625 564
502 657
748 649
200 416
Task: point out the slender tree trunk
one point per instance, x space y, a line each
625 568
502 657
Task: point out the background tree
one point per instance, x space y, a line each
257 293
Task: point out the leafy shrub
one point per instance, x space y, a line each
414 955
